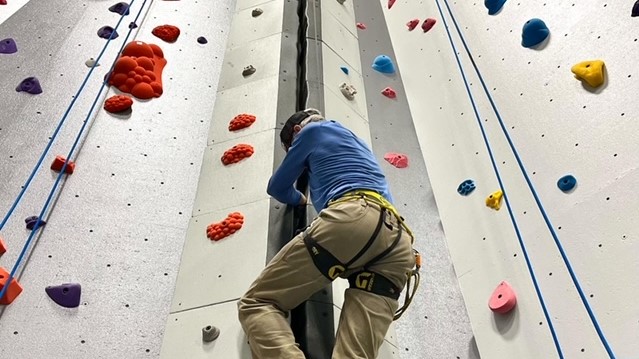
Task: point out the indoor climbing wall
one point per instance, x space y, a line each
517 101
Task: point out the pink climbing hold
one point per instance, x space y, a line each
391 3
428 24
389 92
361 26
503 299
412 24
397 159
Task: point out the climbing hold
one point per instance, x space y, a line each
535 31
8 46
494 200
3 247
107 32
168 33
361 26
428 24
202 40
232 223
566 183
503 299
118 103
132 25
12 291
66 295
494 6
248 70
31 222
391 3
241 121
398 160
389 92
3 2
59 162
30 85
121 8
257 12
341 1
344 69
237 153
635 9
139 70
412 24
466 187
348 91
210 333
384 64
91 62
592 72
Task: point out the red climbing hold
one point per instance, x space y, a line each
237 153
3 2
412 24
58 163
168 33
139 70
389 92
428 24
391 3
14 289
361 26
118 103
241 121
397 159
232 223
503 299
3 247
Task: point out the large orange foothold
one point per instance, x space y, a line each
58 163
241 121
12 291
237 153
503 299
232 223
412 24
118 103
494 200
168 33
592 72
3 247
139 70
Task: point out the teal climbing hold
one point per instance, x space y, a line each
494 6
535 31
384 64
344 69
567 183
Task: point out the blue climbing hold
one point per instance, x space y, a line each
344 69
8 46
567 183
466 187
66 295
535 31
384 64
635 9
107 32
121 8
32 221
494 6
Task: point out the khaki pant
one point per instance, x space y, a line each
291 277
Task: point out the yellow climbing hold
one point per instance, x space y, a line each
494 200
590 71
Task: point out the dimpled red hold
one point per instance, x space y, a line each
237 153
241 121
168 33
219 230
118 103
138 71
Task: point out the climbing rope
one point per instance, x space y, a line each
50 197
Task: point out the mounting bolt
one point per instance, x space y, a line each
210 333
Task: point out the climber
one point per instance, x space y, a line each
357 235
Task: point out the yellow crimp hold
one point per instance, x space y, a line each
494 200
592 72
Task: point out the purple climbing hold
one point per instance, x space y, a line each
635 9
8 46
202 40
121 8
66 295
30 85
107 32
31 222
132 25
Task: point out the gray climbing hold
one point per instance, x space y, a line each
248 70
91 62
341 1
210 333
348 91
257 12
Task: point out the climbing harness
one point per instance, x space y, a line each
365 279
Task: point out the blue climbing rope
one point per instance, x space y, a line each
501 185
52 193
534 193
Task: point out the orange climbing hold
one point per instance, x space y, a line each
59 161
230 225
3 247
139 70
118 103
168 33
14 289
237 153
241 121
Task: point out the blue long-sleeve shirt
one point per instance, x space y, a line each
337 160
